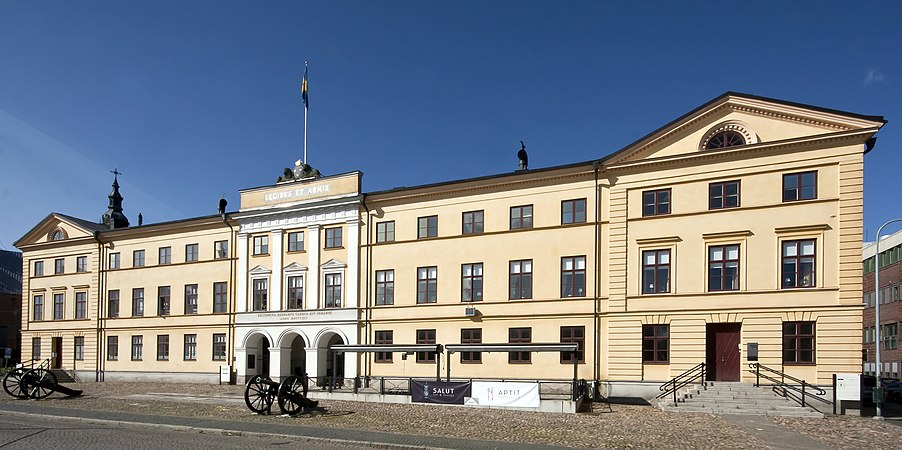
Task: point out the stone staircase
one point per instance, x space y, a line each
63 376
734 398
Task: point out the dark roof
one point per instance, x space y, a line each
93 226
10 272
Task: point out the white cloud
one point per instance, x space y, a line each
874 76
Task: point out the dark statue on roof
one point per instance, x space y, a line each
523 157
301 171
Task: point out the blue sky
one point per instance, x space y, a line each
192 100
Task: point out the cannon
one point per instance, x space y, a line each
35 382
291 395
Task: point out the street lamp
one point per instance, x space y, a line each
878 340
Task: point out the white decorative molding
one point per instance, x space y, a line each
731 125
333 265
259 270
295 267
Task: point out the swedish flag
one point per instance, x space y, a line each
304 90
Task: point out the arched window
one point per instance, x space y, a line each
725 139
727 134
57 235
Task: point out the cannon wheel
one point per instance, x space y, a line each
257 394
292 394
40 383
12 383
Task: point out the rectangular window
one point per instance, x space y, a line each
471 282
137 348
799 186
138 258
113 303
798 342
219 347
573 211
220 297
426 337
473 222
261 245
723 195
114 261
137 302
655 271
191 252
59 304
296 241
427 227
295 292
164 298
384 338
333 290
79 353
59 266
163 347
574 335
190 299
385 231
471 336
39 268
37 309
385 287
520 279
723 268
112 348
427 284
333 237
521 217
519 336
260 291
190 347
81 264
165 255
889 336
36 348
656 203
81 305
573 276
655 343
798 263
220 249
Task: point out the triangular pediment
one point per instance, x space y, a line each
333 264
260 270
295 267
58 227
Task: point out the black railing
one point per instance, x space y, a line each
548 389
799 390
683 379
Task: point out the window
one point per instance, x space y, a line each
656 203
296 241
427 284
220 249
799 186
260 288
519 336
725 139
112 348
655 343
573 276
890 336
427 227
138 258
36 348
114 261
723 195
798 263
333 237
190 347
574 335
723 268
190 299
385 231
137 348
57 235
81 264
385 287
384 338
191 252
333 290
165 255
137 302
261 245
655 271
295 292
39 268
220 297
38 309
520 279
798 342
471 336
425 337
81 305
472 222
79 351
471 282
573 211
113 303
521 217
163 347
59 303
163 300
59 266
219 347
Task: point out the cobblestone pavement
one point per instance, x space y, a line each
625 426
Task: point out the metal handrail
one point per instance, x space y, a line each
549 389
802 387
681 380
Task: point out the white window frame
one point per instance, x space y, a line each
333 267
295 270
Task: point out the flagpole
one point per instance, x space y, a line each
305 136
306 102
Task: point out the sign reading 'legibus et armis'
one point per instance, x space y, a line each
301 191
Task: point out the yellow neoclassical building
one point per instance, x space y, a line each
728 236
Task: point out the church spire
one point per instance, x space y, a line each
114 218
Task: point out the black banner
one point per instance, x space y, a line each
439 392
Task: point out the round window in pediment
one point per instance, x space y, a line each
57 235
725 139
728 134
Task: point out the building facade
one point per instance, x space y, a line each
890 307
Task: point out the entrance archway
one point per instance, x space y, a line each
298 356
257 350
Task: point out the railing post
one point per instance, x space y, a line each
382 386
674 393
803 393
356 379
757 375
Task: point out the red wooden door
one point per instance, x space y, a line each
723 351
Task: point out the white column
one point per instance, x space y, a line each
352 279
241 364
312 365
313 272
275 364
241 276
275 284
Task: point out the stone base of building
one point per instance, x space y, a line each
160 377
